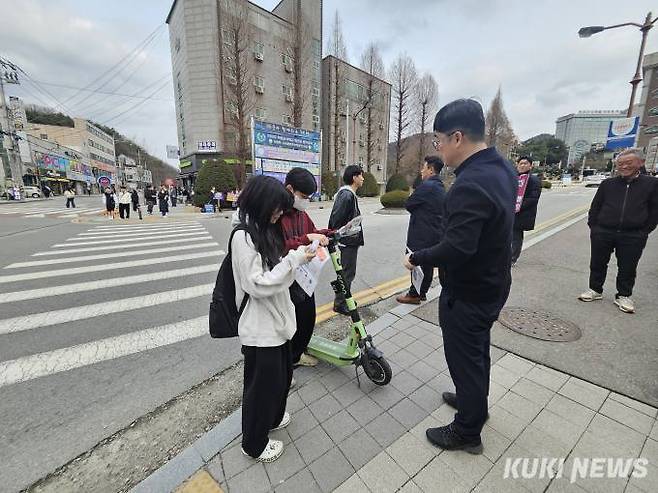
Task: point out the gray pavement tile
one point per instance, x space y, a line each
403 310
470 468
354 484
547 377
385 429
302 481
542 444
570 410
325 407
650 451
406 322
494 443
387 346
386 396
533 391
387 333
340 426
505 423
427 398
422 371
637 405
437 359
286 466
437 476
408 413
496 392
301 422
281 435
417 332
314 444
516 364
403 358
564 485
381 323
627 440
419 432
383 474
410 487
312 391
410 453
334 379
331 470
444 414
419 349
173 473
253 480
442 383
305 374
348 393
647 483
216 469
584 393
519 406
434 340
628 416
294 403
405 382
495 482
359 448
503 376
496 354
364 410
235 461
555 425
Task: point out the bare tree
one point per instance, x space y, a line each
427 98
237 74
403 78
498 131
371 62
337 95
336 41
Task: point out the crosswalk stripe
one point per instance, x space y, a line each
102 242
119 247
160 227
122 234
31 294
71 314
85 258
69 358
98 268
145 226
95 211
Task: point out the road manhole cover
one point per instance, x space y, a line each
538 324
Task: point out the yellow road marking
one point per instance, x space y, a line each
201 482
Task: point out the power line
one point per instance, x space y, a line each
138 104
109 93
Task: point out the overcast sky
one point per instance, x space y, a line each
530 49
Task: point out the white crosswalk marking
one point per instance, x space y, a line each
99 242
139 244
172 227
140 226
156 232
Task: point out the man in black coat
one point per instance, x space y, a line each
474 260
346 208
426 208
526 212
623 213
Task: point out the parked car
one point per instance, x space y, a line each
34 192
594 180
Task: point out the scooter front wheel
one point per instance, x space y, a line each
378 370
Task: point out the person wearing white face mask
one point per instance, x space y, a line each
298 229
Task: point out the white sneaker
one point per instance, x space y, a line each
293 383
625 304
272 452
307 360
590 295
285 421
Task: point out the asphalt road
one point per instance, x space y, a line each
102 322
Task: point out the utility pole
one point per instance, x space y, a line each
9 74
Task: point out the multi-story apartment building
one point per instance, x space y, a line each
355 118
580 130
94 149
648 108
233 60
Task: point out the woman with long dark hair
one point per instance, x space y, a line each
267 323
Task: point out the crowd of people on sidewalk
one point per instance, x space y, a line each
473 233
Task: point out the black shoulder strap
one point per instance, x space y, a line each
239 227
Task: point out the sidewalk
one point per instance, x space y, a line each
347 438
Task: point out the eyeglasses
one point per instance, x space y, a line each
436 143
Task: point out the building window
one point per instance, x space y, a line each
259 51
261 113
43 136
259 84
287 119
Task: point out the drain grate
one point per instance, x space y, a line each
538 324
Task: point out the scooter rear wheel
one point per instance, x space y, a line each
378 370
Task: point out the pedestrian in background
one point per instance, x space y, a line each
70 197
173 194
527 199
267 323
125 200
623 214
474 260
346 208
212 200
218 201
110 200
134 197
425 205
150 197
163 200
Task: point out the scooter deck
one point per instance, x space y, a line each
336 353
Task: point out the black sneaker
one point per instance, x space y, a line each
450 398
423 297
447 438
342 309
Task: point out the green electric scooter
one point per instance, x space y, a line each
358 348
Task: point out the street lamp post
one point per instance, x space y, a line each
354 117
586 32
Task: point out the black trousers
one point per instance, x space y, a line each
70 202
348 256
149 206
628 247
305 315
517 244
466 331
267 377
124 209
428 274
173 201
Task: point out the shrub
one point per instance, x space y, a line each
397 182
213 174
394 199
329 185
370 187
546 184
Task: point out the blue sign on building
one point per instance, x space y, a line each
622 132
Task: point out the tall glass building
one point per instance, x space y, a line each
580 130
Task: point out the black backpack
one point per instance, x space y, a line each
224 315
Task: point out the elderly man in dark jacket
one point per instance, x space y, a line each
426 208
526 204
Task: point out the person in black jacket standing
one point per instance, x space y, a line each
526 208
474 260
346 208
426 208
623 213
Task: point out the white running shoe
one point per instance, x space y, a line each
590 295
285 421
307 360
625 304
272 452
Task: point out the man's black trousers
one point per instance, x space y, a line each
305 315
628 247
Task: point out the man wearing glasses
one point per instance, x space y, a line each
474 260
